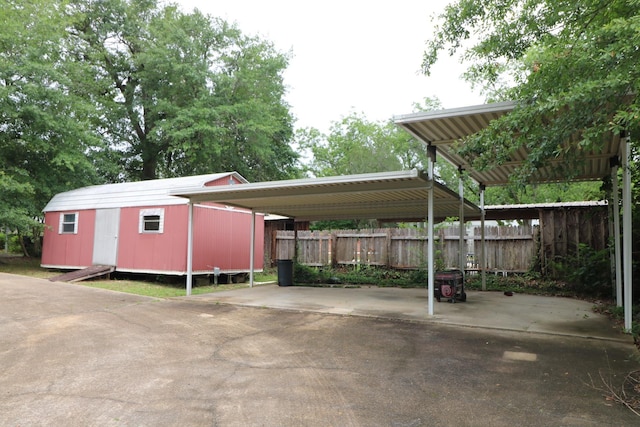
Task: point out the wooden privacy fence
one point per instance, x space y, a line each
507 248
563 231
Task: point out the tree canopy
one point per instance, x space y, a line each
571 66
182 93
356 145
45 131
114 90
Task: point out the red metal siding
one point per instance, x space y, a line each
222 238
164 251
68 250
223 181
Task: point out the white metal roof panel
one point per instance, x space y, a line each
128 194
385 196
552 205
532 210
442 128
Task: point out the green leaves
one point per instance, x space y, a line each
114 90
184 93
572 66
355 145
44 138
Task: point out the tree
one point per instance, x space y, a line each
355 145
180 93
112 90
45 140
571 66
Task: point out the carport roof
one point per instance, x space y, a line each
442 128
384 196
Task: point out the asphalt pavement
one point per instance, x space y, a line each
74 355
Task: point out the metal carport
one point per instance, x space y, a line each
372 195
404 195
440 129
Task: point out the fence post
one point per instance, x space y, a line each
334 252
274 247
388 248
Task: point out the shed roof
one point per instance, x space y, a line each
127 194
385 196
442 128
532 210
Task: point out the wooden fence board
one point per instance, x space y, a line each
508 248
405 248
563 231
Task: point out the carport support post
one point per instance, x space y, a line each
483 246
252 251
190 248
462 253
431 277
626 231
616 235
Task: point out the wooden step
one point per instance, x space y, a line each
84 274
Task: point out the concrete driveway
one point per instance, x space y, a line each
72 355
487 310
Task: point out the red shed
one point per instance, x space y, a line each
138 227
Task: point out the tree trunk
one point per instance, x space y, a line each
149 168
23 246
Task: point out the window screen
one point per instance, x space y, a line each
151 221
68 223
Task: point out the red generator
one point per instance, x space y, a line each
449 284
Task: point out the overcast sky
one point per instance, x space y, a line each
350 55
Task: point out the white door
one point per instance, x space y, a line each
105 244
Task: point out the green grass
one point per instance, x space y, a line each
158 290
157 286
16 264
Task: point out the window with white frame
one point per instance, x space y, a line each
68 223
151 221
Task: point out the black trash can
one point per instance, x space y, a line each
285 272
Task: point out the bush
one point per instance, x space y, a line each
582 284
588 272
420 276
355 275
524 284
617 313
14 243
305 274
